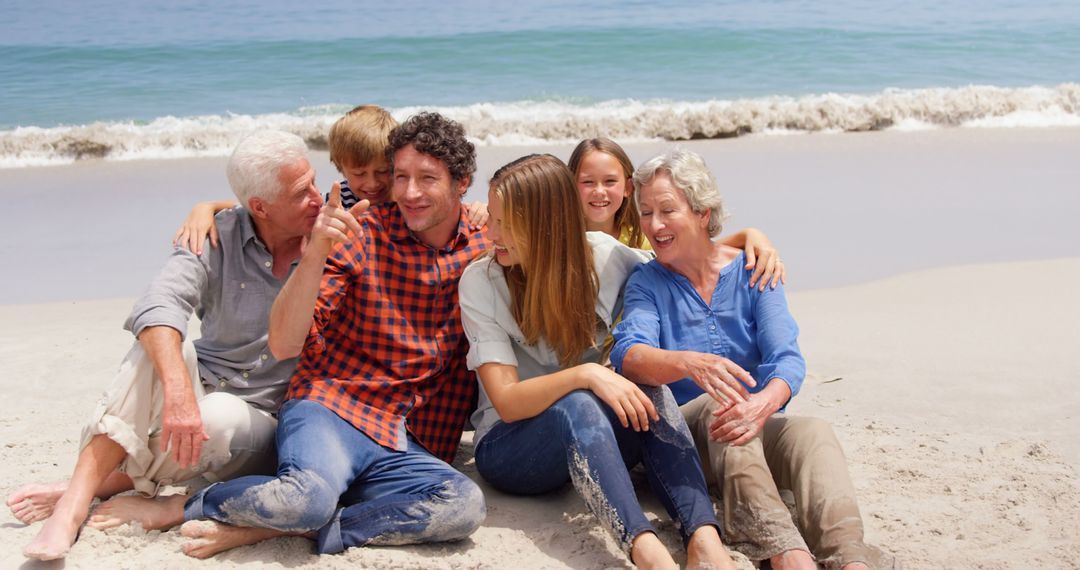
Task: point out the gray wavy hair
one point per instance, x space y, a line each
256 161
690 175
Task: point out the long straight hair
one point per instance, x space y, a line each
627 217
553 289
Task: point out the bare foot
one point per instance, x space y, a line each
706 552
646 551
158 513
35 502
55 538
211 537
795 559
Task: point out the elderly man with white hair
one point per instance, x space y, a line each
179 409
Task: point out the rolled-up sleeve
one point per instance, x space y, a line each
640 323
488 341
173 295
777 340
338 277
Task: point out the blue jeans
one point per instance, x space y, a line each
579 439
334 479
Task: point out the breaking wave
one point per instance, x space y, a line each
533 122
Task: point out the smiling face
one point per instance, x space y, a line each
293 211
602 186
506 251
429 199
676 232
370 181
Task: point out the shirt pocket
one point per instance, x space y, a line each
246 309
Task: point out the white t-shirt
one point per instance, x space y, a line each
494 336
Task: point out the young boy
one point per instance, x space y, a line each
358 143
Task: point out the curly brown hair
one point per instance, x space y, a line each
437 136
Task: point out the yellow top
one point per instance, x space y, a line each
624 236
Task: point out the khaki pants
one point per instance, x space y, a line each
797 454
129 413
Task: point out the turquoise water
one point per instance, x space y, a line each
122 79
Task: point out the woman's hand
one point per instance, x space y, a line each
198 224
630 404
477 214
764 259
739 422
719 377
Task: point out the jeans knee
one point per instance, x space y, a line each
580 407
470 510
298 501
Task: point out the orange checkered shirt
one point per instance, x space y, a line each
386 350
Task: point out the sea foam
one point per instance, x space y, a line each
536 122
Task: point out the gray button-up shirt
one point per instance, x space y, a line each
231 288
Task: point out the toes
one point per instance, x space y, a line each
102 523
194 549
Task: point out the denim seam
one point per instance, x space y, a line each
686 526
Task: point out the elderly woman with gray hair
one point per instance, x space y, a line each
728 351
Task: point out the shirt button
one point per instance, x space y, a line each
264 357
712 327
245 375
242 285
221 384
268 263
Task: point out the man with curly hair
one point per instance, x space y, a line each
381 392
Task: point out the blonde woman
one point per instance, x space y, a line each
535 311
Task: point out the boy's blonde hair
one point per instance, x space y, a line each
360 136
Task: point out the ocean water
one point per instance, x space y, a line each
126 79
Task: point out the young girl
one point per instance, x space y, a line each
602 172
535 311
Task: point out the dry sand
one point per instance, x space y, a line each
952 389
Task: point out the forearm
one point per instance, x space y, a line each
653 366
518 400
163 345
219 205
294 308
737 239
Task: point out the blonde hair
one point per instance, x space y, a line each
360 136
627 217
553 290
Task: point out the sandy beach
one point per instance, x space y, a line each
931 273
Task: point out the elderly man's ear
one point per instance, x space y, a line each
257 208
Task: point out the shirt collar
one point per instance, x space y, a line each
247 227
398 230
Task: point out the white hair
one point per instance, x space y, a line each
691 176
256 161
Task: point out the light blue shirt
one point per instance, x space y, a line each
754 329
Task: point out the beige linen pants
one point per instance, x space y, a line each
129 413
798 454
